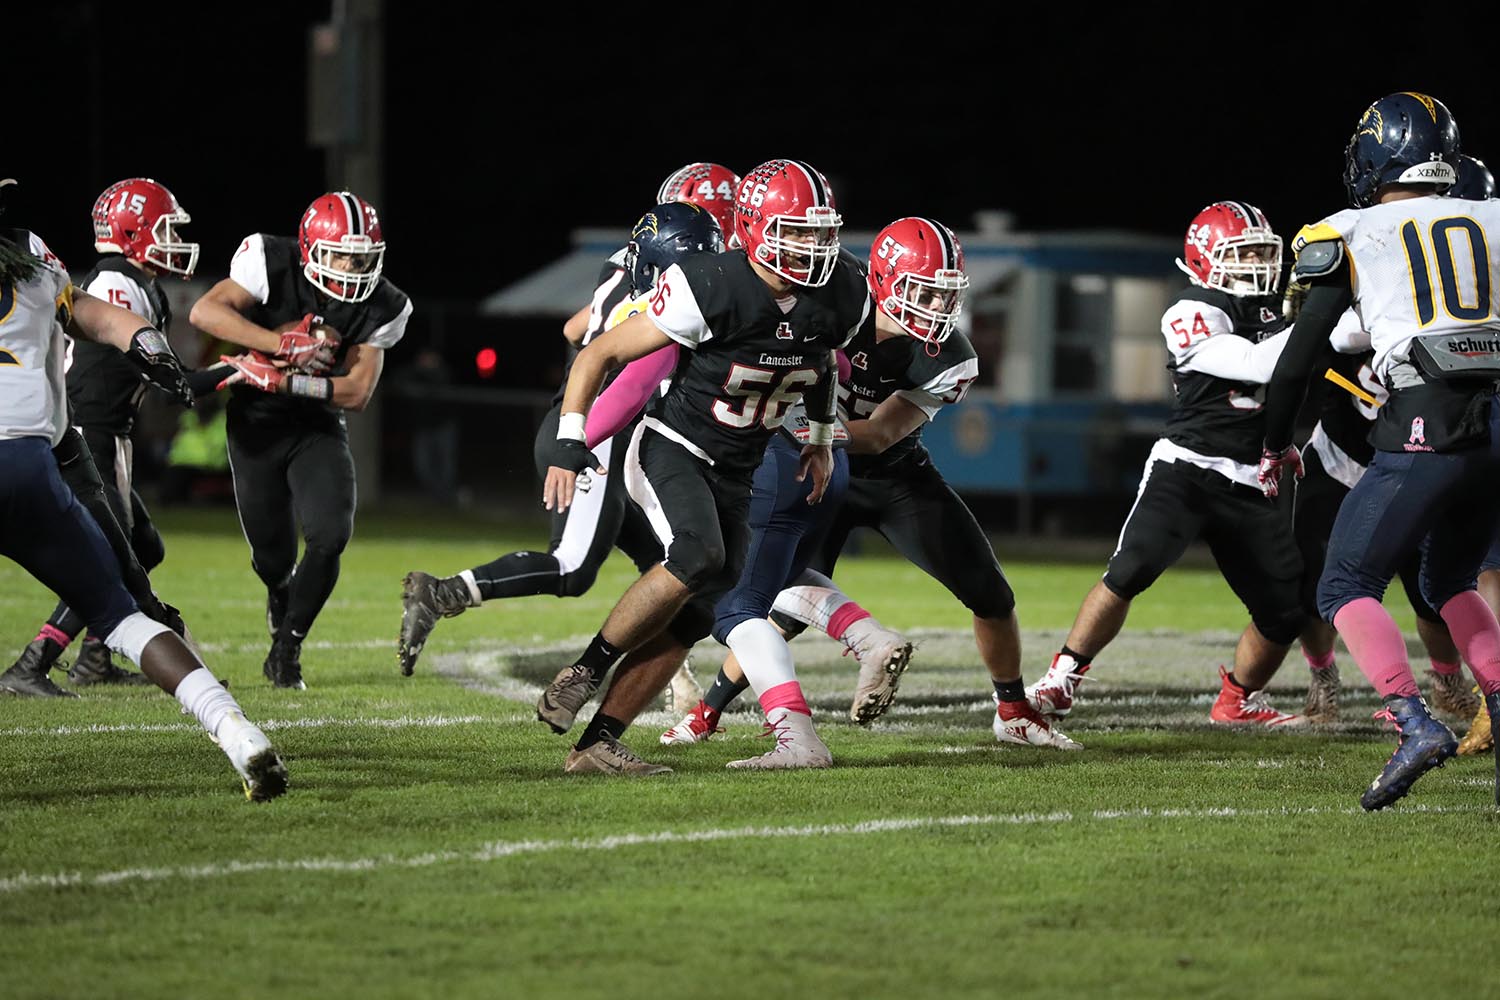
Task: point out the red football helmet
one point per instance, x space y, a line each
710 186
917 277
138 218
786 221
341 245
1219 246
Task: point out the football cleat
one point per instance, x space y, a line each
684 688
569 691
1424 743
883 657
283 666
610 756
1019 722
1481 735
1452 695
1322 695
94 666
1053 695
797 745
1237 707
28 675
260 768
1492 711
695 727
425 599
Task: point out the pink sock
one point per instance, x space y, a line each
786 695
1377 647
1321 662
847 614
1446 669
1477 636
56 634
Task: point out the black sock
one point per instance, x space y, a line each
600 726
519 574
1236 682
1078 658
1011 690
599 657
724 691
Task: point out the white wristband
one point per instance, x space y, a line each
570 427
819 433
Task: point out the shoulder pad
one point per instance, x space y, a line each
1315 260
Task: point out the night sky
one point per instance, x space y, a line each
1133 122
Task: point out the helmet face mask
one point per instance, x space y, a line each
137 218
340 242
1231 247
917 277
786 221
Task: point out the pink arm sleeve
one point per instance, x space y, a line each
627 394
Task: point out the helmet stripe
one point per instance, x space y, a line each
356 217
815 180
945 240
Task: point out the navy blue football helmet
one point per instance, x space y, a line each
1475 182
1406 138
665 235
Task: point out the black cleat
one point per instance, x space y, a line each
425 599
94 666
28 675
283 666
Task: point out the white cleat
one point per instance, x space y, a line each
797 745
883 657
260 768
1019 722
684 691
695 727
1053 695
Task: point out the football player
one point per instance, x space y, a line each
135 226
46 530
318 314
1415 265
760 327
1223 335
603 516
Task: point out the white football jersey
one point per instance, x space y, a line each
33 346
1419 266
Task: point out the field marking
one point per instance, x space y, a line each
497 850
400 722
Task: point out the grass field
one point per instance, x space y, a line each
431 846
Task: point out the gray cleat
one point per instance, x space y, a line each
425 599
569 691
1322 696
610 756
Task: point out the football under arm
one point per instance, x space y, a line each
892 420
355 390
634 338
221 313
103 323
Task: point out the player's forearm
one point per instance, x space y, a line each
1309 338
584 381
97 320
225 323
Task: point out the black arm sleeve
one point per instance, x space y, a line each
1326 301
821 399
205 381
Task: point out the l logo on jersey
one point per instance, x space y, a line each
784 331
1267 315
861 360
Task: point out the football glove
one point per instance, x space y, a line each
305 349
572 455
1272 463
150 352
255 369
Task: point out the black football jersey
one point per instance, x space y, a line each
104 389
1346 418
750 356
610 304
901 365
1217 416
270 266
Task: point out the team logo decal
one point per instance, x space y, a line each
784 331
1426 101
1266 315
1373 123
1418 431
861 360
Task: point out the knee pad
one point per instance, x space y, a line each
695 560
577 582
790 627
693 622
149 550
990 597
1128 575
1283 627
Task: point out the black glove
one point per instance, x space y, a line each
572 455
150 352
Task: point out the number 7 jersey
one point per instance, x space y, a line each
1419 266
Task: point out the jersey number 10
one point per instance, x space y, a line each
1470 303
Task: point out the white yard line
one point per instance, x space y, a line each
401 722
497 850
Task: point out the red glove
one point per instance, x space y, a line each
1271 465
305 349
253 368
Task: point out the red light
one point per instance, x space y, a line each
485 362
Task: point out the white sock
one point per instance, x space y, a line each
475 598
763 654
201 694
812 606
